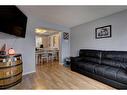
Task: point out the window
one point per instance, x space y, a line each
38 41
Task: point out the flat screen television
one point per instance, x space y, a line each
12 21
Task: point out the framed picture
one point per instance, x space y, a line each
103 32
65 35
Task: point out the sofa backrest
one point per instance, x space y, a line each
111 58
115 55
90 55
114 58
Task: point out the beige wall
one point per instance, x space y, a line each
55 41
52 41
45 41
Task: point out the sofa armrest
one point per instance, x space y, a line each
76 59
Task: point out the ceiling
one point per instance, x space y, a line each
70 16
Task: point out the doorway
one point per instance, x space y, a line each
48 46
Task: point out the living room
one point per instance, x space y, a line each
91 35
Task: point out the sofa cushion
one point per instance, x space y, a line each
111 73
107 71
114 63
99 70
122 76
89 53
87 66
79 64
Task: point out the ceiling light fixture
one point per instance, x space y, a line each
40 31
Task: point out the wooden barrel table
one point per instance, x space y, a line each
10 70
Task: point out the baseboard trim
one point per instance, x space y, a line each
61 63
28 73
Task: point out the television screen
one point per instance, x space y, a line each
12 21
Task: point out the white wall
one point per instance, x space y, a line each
27 46
45 41
65 47
83 36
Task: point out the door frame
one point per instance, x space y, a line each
60 43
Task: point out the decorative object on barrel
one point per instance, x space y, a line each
3 50
11 51
66 36
103 32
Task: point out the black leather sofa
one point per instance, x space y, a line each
109 67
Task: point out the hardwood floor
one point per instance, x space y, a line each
55 76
